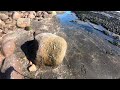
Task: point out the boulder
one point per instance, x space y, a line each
52 49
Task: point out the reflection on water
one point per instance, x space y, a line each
69 20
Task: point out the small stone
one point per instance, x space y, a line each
32 15
10 13
16 15
8 48
38 14
25 14
32 68
45 15
3 16
30 63
8 21
23 22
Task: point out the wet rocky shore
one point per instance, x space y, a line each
88 55
108 19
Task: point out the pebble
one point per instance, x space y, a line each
32 68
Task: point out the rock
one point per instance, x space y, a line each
12 68
5 31
8 48
10 13
25 15
38 18
30 63
32 15
1 32
115 36
106 32
32 68
60 12
3 16
45 14
49 12
14 22
52 49
38 14
20 36
54 13
1 58
8 21
23 22
22 15
2 24
9 26
8 37
16 15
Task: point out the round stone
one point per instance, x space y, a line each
52 49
